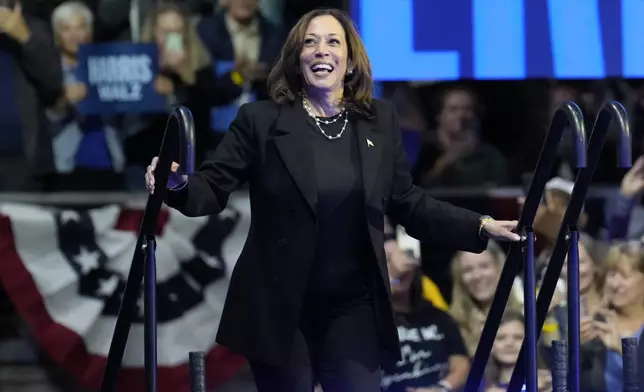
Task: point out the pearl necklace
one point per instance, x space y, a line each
327 122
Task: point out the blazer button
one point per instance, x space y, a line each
281 243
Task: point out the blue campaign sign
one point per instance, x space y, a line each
120 78
502 39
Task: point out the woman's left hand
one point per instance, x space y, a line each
163 85
500 230
607 331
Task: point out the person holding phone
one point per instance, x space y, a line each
185 78
623 315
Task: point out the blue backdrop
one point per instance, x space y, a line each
502 39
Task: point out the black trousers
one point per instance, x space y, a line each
337 348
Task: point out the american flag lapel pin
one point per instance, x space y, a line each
369 143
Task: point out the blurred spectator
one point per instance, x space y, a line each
242 36
185 78
271 9
626 215
411 247
624 314
529 148
591 288
122 20
88 153
457 156
505 352
433 353
30 77
475 278
413 126
547 223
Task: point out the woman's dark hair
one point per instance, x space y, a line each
285 82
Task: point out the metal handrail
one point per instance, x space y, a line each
611 111
143 258
568 114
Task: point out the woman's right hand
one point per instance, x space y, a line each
587 330
174 180
163 85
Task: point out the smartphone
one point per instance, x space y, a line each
174 42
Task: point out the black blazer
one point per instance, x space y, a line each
267 146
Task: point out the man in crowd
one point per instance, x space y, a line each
31 80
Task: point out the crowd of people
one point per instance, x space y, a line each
611 271
46 145
212 61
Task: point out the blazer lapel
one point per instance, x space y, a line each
370 146
296 152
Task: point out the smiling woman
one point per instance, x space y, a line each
308 300
328 41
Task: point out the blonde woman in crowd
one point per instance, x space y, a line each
505 352
186 77
624 315
591 282
475 278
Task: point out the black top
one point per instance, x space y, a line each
428 338
269 146
338 274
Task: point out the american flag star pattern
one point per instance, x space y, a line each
65 271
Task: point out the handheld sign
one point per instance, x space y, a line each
119 78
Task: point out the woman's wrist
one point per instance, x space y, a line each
482 221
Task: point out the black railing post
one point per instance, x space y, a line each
559 366
529 308
611 112
150 310
572 303
567 114
127 311
197 372
630 372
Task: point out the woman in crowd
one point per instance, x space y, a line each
626 214
434 357
186 78
475 278
591 286
505 352
624 315
88 153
